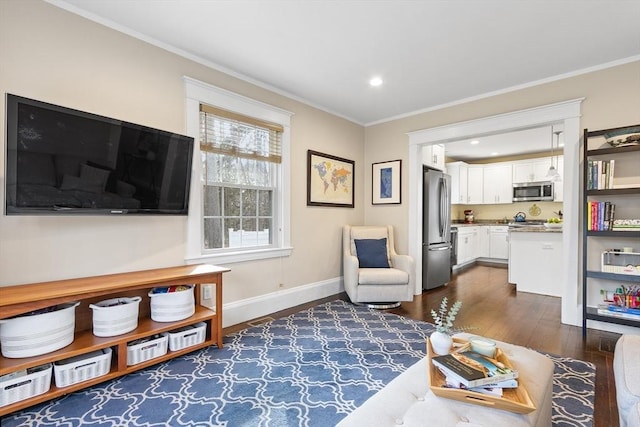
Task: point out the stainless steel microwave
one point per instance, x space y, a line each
533 191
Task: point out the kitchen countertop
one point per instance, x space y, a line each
481 223
534 229
537 227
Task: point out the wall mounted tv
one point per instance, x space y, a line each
65 161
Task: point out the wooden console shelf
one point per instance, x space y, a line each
20 299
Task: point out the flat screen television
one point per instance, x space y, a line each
64 161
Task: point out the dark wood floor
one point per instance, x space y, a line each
493 307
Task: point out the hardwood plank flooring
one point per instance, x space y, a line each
493 307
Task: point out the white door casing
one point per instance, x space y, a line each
566 113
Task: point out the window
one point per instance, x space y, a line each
240 160
239 205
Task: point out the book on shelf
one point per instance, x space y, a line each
625 186
621 309
613 310
471 370
600 174
600 216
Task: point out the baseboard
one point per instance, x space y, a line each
460 267
493 262
251 308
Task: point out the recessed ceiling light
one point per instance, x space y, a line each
474 142
494 153
376 81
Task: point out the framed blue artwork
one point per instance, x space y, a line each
386 182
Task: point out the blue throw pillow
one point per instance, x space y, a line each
372 253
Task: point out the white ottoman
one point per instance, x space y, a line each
408 401
626 371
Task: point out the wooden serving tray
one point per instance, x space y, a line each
512 399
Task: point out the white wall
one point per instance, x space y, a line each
52 55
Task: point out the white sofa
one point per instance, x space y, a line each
408 401
626 369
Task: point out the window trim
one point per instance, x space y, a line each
198 92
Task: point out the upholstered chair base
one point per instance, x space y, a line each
379 305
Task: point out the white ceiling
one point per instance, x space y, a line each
430 53
528 141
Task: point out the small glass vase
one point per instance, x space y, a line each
441 343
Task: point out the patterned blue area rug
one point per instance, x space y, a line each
312 368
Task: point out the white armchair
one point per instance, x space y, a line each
377 276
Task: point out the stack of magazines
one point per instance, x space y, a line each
472 371
626 225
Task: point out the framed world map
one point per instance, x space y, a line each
329 180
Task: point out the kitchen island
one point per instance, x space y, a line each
535 259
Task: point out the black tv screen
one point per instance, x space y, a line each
61 160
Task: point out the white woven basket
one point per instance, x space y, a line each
32 335
82 368
187 336
138 352
24 385
115 316
172 306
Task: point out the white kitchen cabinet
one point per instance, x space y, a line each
498 242
532 170
541 169
522 172
475 174
458 172
497 183
433 156
467 244
484 242
493 183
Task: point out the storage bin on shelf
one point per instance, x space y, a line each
115 316
24 384
144 349
187 336
76 369
172 303
620 262
38 332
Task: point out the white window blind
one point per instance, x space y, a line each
228 133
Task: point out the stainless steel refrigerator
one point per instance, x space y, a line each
436 229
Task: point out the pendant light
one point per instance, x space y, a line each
552 173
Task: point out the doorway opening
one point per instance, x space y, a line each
565 113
